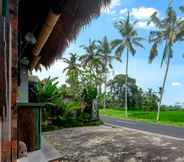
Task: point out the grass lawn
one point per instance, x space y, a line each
175 118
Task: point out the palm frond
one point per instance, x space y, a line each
132 49
116 43
65 60
153 52
171 15
65 69
138 41
182 8
138 44
154 19
118 52
155 36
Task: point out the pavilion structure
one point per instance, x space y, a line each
33 34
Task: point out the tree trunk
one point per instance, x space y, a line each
126 86
163 87
100 89
105 83
105 90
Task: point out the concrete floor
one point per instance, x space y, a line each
110 144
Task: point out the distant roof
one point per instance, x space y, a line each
74 15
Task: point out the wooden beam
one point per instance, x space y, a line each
47 29
35 62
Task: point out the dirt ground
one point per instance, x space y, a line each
109 144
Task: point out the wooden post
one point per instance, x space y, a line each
5 90
13 18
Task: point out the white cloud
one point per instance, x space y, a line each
115 3
113 12
111 9
144 25
176 84
143 13
56 70
123 11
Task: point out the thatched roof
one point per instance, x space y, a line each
74 15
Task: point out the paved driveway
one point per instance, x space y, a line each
109 144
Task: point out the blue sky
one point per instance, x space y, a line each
147 75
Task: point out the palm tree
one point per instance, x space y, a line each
73 66
104 53
169 31
128 42
90 55
73 71
91 61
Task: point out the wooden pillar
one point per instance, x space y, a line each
13 16
5 89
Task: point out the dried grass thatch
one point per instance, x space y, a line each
74 15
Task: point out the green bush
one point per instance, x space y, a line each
58 114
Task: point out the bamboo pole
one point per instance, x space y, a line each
35 62
45 32
43 36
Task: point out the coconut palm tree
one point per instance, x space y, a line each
72 71
169 31
73 66
89 58
91 61
129 41
104 53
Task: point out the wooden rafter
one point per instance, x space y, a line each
47 29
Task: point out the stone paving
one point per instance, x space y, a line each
109 144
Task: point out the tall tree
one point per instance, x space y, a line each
72 71
150 100
117 91
91 62
104 53
129 41
169 31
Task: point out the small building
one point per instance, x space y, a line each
33 34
